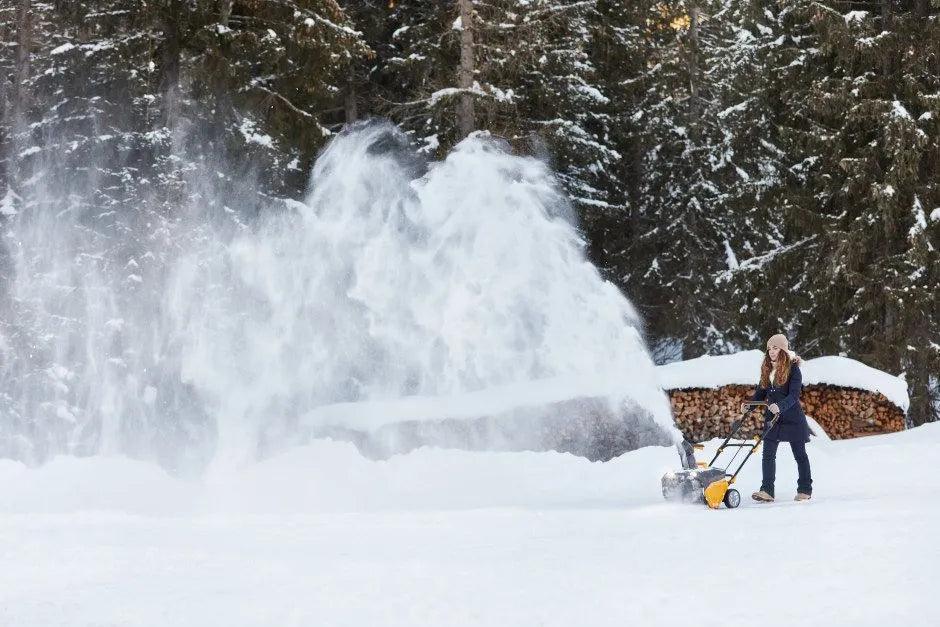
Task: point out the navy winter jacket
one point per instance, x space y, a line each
792 425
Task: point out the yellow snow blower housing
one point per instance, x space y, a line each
715 492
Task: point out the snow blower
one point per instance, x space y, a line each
701 482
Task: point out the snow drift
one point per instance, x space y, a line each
322 535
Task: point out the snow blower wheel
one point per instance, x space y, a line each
732 498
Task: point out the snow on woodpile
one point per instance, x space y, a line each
844 396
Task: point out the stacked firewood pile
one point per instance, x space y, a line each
705 413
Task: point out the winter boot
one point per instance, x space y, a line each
762 497
802 496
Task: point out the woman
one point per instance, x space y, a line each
780 383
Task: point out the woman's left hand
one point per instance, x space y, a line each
774 409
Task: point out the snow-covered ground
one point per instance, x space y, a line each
321 536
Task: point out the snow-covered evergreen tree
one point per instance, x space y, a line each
533 83
749 67
740 167
867 145
264 78
126 117
710 167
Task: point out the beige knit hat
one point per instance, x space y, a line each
780 341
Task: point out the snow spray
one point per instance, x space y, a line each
398 290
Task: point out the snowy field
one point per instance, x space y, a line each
321 536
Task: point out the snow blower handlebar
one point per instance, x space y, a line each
746 408
718 492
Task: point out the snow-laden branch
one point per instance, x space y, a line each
287 102
758 262
823 7
531 19
451 92
559 8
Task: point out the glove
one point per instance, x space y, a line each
774 409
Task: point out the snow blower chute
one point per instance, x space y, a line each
701 482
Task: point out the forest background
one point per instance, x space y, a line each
739 167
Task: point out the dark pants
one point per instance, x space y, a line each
804 483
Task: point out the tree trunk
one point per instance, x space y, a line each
170 60
16 100
693 57
225 12
887 26
919 390
693 68
23 37
349 102
465 115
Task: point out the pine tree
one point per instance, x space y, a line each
440 66
709 167
265 79
562 102
534 84
860 140
751 65
122 112
619 49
